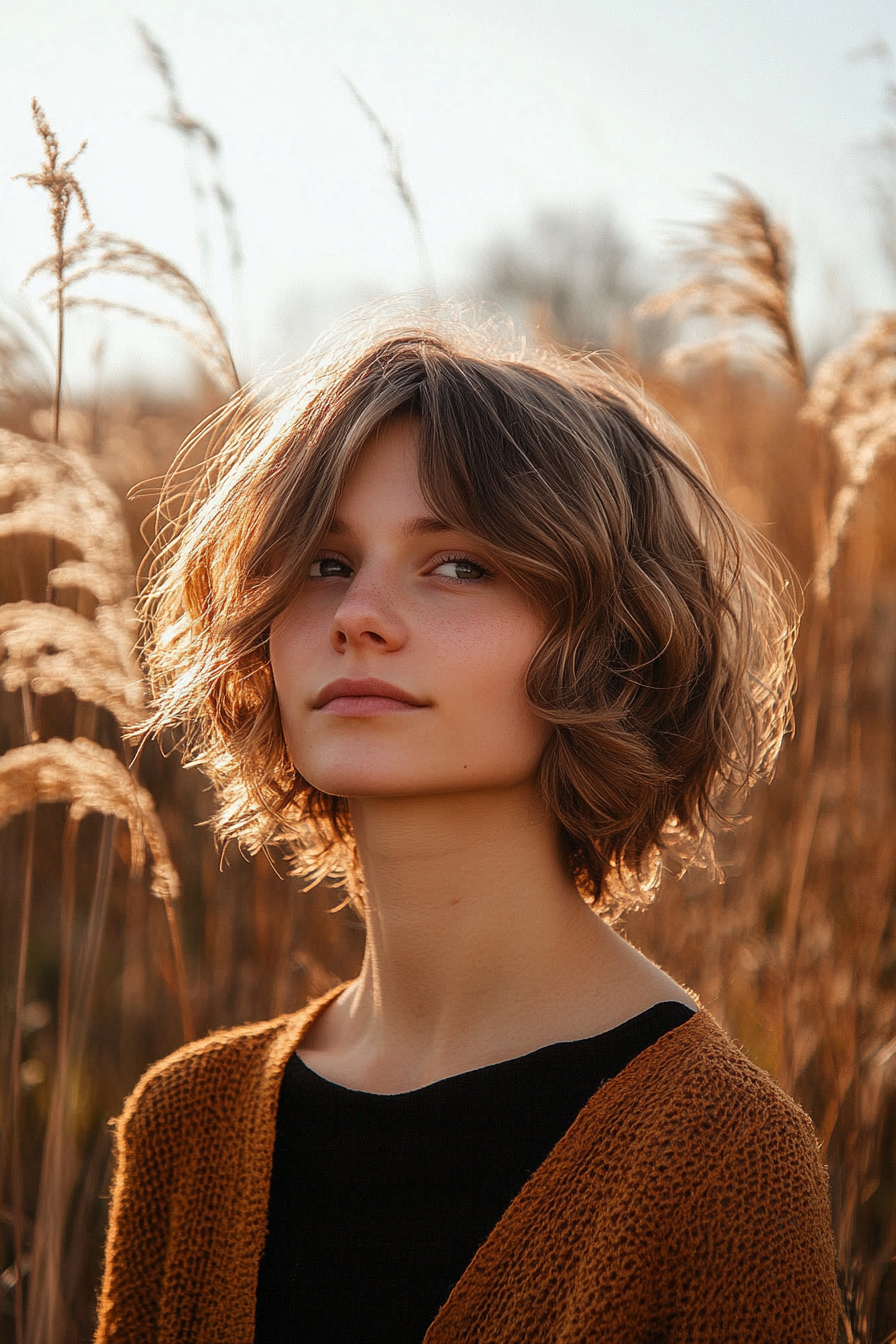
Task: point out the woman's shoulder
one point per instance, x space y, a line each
694 1145
697 1103
212 1073
224 1052
697 1074
687 1198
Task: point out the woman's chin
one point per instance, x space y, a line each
357 781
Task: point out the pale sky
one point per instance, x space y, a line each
500 107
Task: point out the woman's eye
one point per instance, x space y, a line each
462 571
328 567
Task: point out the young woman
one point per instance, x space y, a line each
467 631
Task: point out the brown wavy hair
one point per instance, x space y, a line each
666 670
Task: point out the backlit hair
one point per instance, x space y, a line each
666 668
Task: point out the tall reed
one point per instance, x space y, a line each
796 952
76 926
399 179
56 178
205 171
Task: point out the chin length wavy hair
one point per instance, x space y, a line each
666 668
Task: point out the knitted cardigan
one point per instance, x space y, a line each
685 1205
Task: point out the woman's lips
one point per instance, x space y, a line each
364 698
363 706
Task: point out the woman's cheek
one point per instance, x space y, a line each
288 663
501 722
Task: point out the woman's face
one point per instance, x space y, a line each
400 662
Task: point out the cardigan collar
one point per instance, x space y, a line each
700 1025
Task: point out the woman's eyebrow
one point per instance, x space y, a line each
423 527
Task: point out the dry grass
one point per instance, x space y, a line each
56 178
202 150
399 179
95 254
742 274
853 400
49 649
795 953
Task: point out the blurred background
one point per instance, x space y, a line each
529 132
705 191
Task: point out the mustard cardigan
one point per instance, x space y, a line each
685 1205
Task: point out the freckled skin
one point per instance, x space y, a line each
428 613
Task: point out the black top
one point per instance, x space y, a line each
379 1202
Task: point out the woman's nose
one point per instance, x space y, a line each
368 617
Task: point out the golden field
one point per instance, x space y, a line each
108 962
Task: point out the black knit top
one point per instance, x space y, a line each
379 1202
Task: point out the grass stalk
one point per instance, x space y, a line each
89 958
60 334
15 1090
55 176
399 180
84 1215
180 971
46 1323
201 144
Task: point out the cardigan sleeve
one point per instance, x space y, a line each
753 1250
189 1199
146 1136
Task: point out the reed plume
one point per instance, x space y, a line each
53 491
55 176
95 254
90 779
853 399
742 278
50 649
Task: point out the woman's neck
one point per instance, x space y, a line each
479 947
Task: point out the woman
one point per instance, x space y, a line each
467 631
